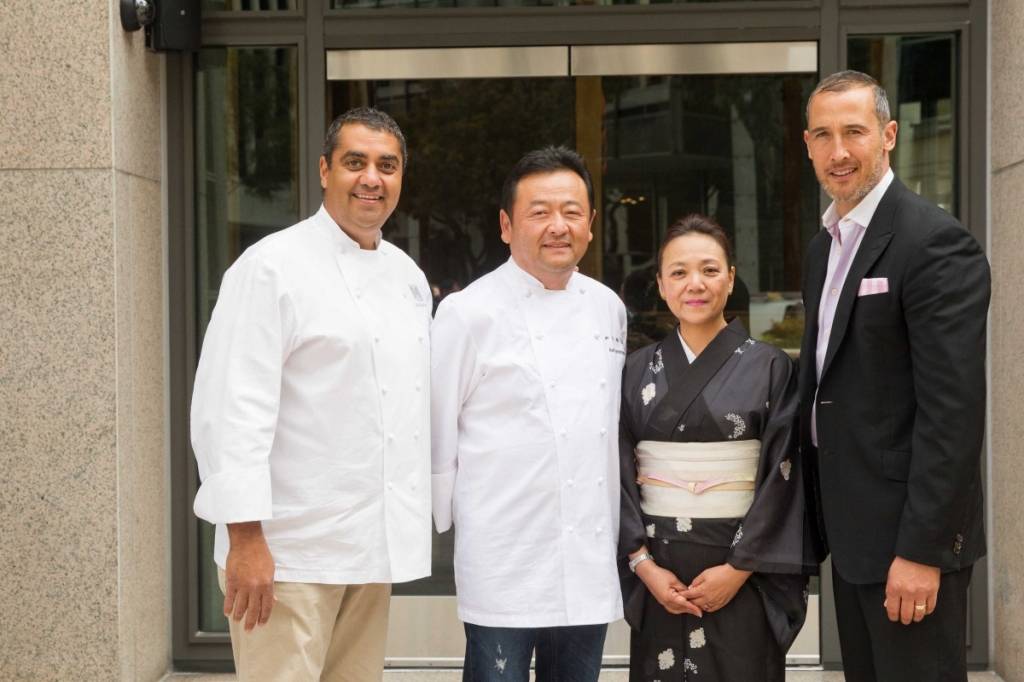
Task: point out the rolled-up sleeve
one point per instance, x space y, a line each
453 368
237 394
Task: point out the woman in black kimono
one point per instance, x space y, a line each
712 516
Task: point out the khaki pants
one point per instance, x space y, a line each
316 632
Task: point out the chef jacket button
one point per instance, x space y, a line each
568 529
391 486
376 339
420 337
569 482
359 294
603 383
384 390
604 431
529 294
539 337
416 435
551 385
597 336
564 433
600 480
412 486
419 385
391 436
599 530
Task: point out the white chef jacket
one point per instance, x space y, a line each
310 411
525 411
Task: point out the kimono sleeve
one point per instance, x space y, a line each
237 392
453 371
771 536
631 526
632 535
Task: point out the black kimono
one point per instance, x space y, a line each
736 389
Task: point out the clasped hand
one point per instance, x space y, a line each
716 586
666 588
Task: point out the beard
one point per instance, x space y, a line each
856 194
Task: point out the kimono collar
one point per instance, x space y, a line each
687 381
674 356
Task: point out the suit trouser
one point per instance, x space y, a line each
334 633
875 649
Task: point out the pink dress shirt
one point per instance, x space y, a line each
847 233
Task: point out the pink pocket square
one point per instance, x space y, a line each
873 285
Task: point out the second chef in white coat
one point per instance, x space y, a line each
525 376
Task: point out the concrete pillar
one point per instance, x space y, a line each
1006 537
84 528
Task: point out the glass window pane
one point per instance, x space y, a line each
248 5
247 186
463 137
727 146
658 148
919 73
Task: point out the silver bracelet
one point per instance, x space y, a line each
635 561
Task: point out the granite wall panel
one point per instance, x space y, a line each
143 496
57 420
1007 430
55 84
1005 31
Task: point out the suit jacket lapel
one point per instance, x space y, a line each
876 238
817 267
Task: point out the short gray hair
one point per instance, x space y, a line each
842 81
374 119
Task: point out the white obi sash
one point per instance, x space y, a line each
697 480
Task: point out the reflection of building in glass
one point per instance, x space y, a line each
727 146
919 75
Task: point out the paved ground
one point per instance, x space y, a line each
608 675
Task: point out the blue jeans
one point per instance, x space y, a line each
564 654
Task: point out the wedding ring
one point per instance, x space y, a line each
919 607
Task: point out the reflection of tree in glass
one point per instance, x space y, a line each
464 136
266 120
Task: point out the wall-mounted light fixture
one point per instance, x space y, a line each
171 25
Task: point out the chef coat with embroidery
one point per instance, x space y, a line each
310 411
525 409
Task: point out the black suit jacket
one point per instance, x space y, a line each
901 400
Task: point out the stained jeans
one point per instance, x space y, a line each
564 654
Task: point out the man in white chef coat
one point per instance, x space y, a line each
310 423
525 403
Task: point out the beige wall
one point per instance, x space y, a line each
83 510
1007 324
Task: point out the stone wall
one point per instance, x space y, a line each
84 509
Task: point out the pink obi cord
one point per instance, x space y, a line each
695 487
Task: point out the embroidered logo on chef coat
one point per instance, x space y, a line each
616 344
418 295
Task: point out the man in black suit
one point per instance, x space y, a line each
892 381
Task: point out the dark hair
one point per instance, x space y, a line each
695 223
842 81
546 160
374 119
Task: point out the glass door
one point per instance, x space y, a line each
666 129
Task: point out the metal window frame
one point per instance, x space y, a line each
314 28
